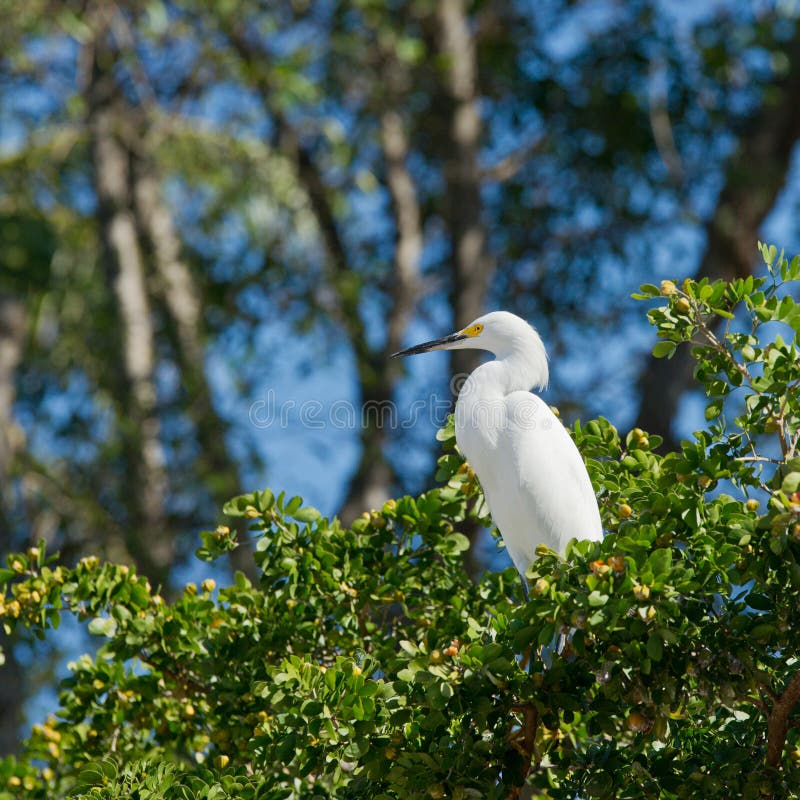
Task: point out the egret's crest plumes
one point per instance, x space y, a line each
532 474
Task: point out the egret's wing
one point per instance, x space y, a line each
538 489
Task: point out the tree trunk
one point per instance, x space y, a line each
12 677
12 331
470 266
183 305
755 176
374 479
112 123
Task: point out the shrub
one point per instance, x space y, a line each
366 665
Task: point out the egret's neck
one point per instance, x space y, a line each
518 370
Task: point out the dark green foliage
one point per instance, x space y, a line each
366 665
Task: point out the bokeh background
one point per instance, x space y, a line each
206 206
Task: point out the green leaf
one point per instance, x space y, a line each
266 499
660 561
293 505
791 483
650 290
655 647
453 543
103 626
664 349
597 599
307 514
236 506
760 602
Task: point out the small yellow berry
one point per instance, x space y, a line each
49 732
208 585
190 588
668 288
625 510
683 306
637 722
221 761
752 504
641 592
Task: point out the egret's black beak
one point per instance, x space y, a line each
436 344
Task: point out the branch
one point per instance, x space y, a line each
660 122
778 721
527 747
508 166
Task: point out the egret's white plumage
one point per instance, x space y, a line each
532 474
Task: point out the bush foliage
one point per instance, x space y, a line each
365 664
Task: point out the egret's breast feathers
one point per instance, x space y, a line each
533 476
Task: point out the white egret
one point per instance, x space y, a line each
532 474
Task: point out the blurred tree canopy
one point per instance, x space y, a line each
175 176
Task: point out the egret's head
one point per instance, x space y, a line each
499 332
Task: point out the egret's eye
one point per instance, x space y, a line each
473 330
